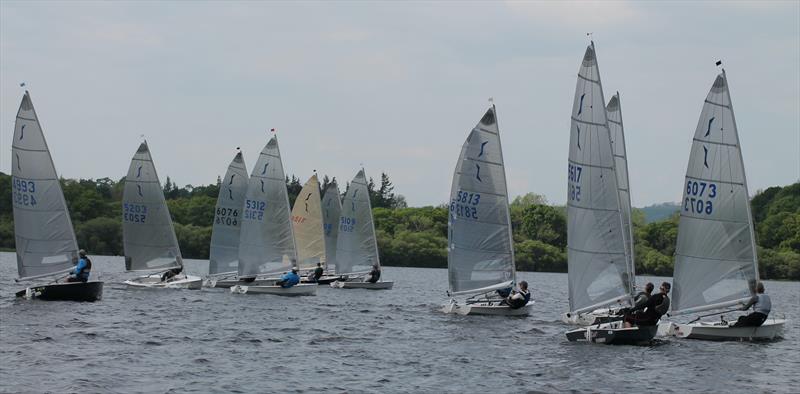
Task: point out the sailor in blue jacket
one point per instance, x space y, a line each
289 279
82 269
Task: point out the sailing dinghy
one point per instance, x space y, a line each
45 240
223 260
716 264
266 241
480 256
147 233
356 243
599 249
309 233
331 210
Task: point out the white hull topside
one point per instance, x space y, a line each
596 316
296 290
723 331
362 285
487 308
153 281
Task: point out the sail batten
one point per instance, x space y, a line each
356 243
44 237
224 250
480 251
266 240
597 251
715 258
148 235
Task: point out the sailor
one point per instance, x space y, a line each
651 311
82 269
761 304
375 274
640 299
519 298
171 273
289 279
314 277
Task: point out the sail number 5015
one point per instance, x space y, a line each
574 177
698 197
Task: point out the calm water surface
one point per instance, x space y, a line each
354 341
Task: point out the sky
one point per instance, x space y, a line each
395 86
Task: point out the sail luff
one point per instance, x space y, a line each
46 223
505 191
744 181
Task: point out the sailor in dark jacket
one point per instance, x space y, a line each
651 311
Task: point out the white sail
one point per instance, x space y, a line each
715 258
309 233
147 233
266 242
45 240
480 254
331 211
616 128
356 244
595 242
224 252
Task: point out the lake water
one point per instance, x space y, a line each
355 341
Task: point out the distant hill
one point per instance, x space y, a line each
656 212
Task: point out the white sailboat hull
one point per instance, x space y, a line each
487 308
296 290
362 285
154 282
723 331
228 283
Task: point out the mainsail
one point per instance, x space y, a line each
356 244
331 210
614 111
224 253
598 269
308 229
715 258
45 240
480 255
147 233
266 242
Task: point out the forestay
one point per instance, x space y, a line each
715 258
480 255
595 243
617 132
224 253
331 210
45 240
266 242
147 233
308 230
356 244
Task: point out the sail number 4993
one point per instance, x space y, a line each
23 192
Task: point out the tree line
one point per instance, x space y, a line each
417 236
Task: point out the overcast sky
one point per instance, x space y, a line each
395 86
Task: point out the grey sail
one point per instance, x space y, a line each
480 253
45 240
147 233
356 244
224 252
331 210
309 232
617 130
595 243
266 242
715 257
